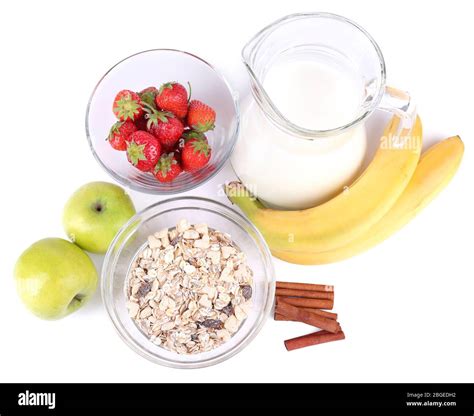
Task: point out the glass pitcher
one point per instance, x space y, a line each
315 79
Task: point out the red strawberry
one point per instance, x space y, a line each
167 168
148 95
173 97
164 126
143 150
195 154
127 106
201 117
120 133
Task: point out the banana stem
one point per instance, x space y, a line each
238 194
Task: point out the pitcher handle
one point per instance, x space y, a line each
399 103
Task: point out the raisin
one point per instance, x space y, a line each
144 289
212 323
228 310
247 292
175 240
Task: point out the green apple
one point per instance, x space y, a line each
94 214
54 278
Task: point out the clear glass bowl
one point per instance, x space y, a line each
133 236
154 67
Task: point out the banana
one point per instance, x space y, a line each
349 214
435 170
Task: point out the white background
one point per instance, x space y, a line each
406 306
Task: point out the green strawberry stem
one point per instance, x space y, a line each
200 146
136 152
153 116
203 127
165 163
127 108
148 107
192 134
168 85
114 129
148 99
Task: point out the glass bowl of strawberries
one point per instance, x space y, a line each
162 121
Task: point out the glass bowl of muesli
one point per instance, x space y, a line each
188 282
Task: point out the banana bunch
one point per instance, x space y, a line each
392 190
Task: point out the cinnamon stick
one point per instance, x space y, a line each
308 303
320 312
280 317
305 286
315 338
311 294
307 317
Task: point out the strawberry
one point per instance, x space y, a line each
164 126
120 133
201 117
167 168
127 106
143 150
195 154
148 95
173 97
